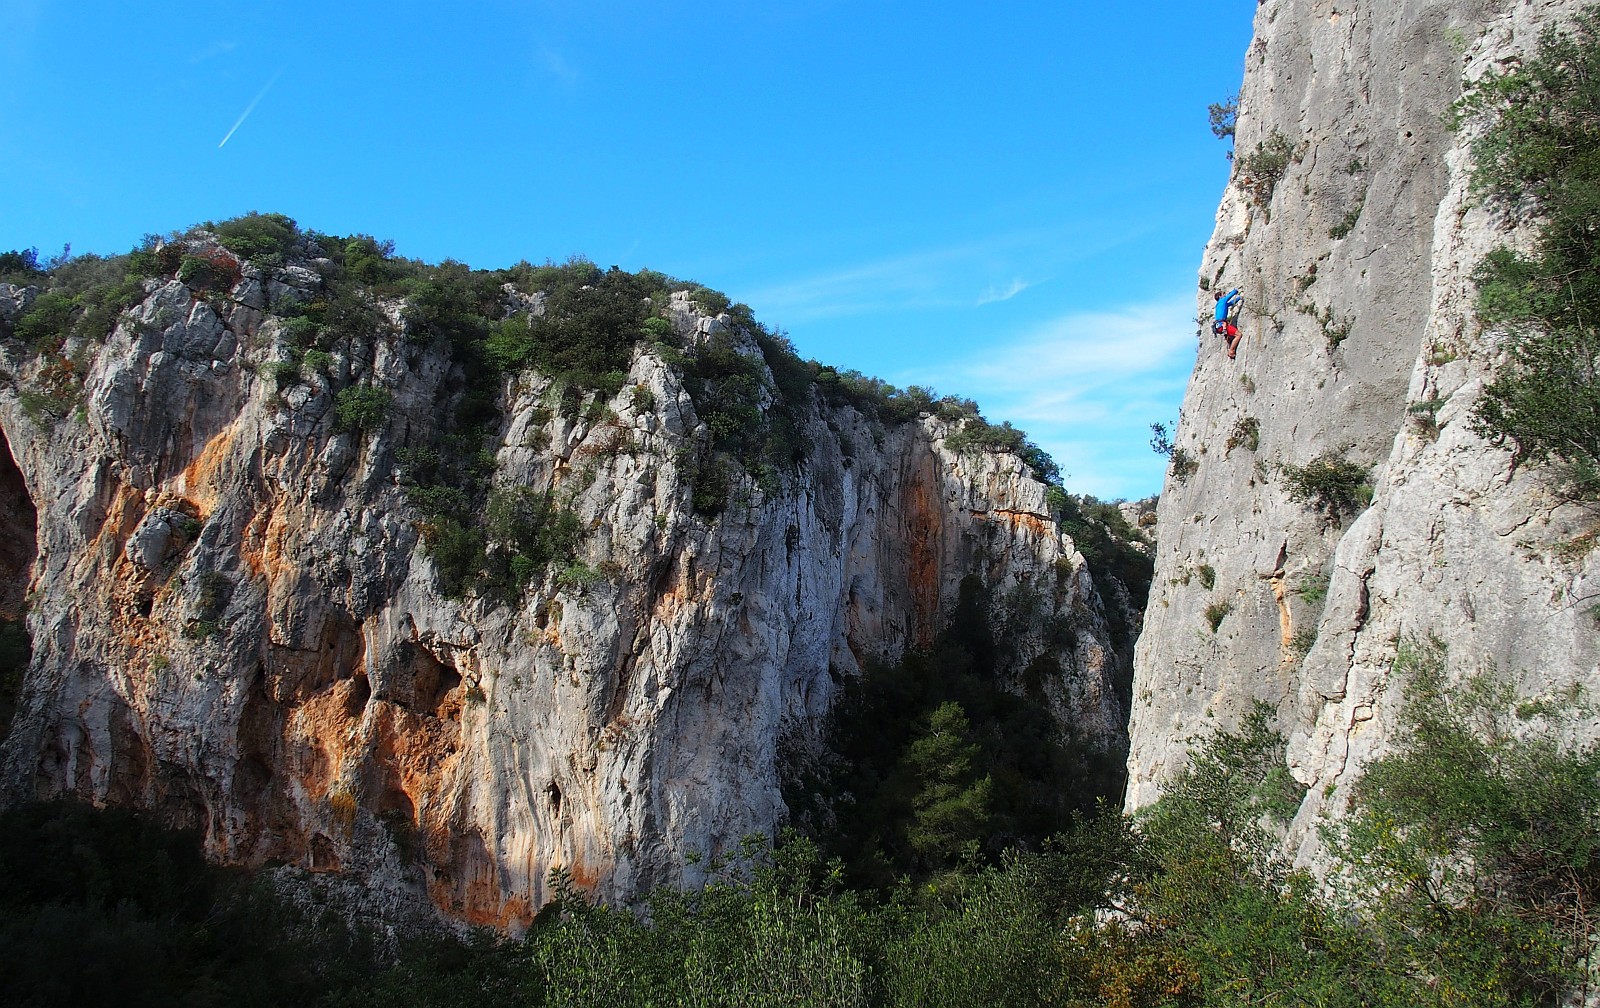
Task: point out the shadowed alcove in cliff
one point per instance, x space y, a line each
19 544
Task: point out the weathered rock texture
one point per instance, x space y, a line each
1360 340
235 624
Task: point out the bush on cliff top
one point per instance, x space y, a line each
756 409
1538 155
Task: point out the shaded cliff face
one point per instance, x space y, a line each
236 622
1360 345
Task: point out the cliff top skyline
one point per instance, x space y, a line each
1009 208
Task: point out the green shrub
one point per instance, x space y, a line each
643 400
1224 116
1160 442
1330 484
369 262
1302 641
155 258
343 314
48 320
1216 612
1473 846
528 532
457 552
318 361
1348 223
1208 576
452 304
1425 415
509 345
577 575
209 271
1246 433
1546 403
281 374
1183 465
1335 329
56 389
1259 172
1538 154
1313 588
712 302
267 239
361 407
20 264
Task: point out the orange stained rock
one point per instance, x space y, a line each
418 753
584 875
204 476
122 517
323 723
923 561
1024 519
1285 621
263 545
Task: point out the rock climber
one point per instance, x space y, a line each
1227 306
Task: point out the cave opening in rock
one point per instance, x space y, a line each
19 544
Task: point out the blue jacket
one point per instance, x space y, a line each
1225 304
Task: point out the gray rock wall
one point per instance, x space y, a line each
235 624
1358 325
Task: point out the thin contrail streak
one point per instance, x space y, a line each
252 106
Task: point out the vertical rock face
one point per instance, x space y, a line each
1360 341
235 623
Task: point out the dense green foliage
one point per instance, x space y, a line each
1224 116
1329 483
1480 836
264 239
935 763
1470 863
1259 171
16 648
758 408
79 298
359 407
1112 547
1538 159
100 907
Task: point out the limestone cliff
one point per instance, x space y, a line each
237 623
1349 227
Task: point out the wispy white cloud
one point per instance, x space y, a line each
956 276
556 65
1006 293
931 278
1086 386
1088 347
212 51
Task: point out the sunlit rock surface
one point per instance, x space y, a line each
236 626
1360 340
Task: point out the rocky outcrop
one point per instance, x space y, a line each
1359 341
236 624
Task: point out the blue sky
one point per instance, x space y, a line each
1006 204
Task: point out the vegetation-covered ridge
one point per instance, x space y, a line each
943 761
574 324
1467 874
1536 157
